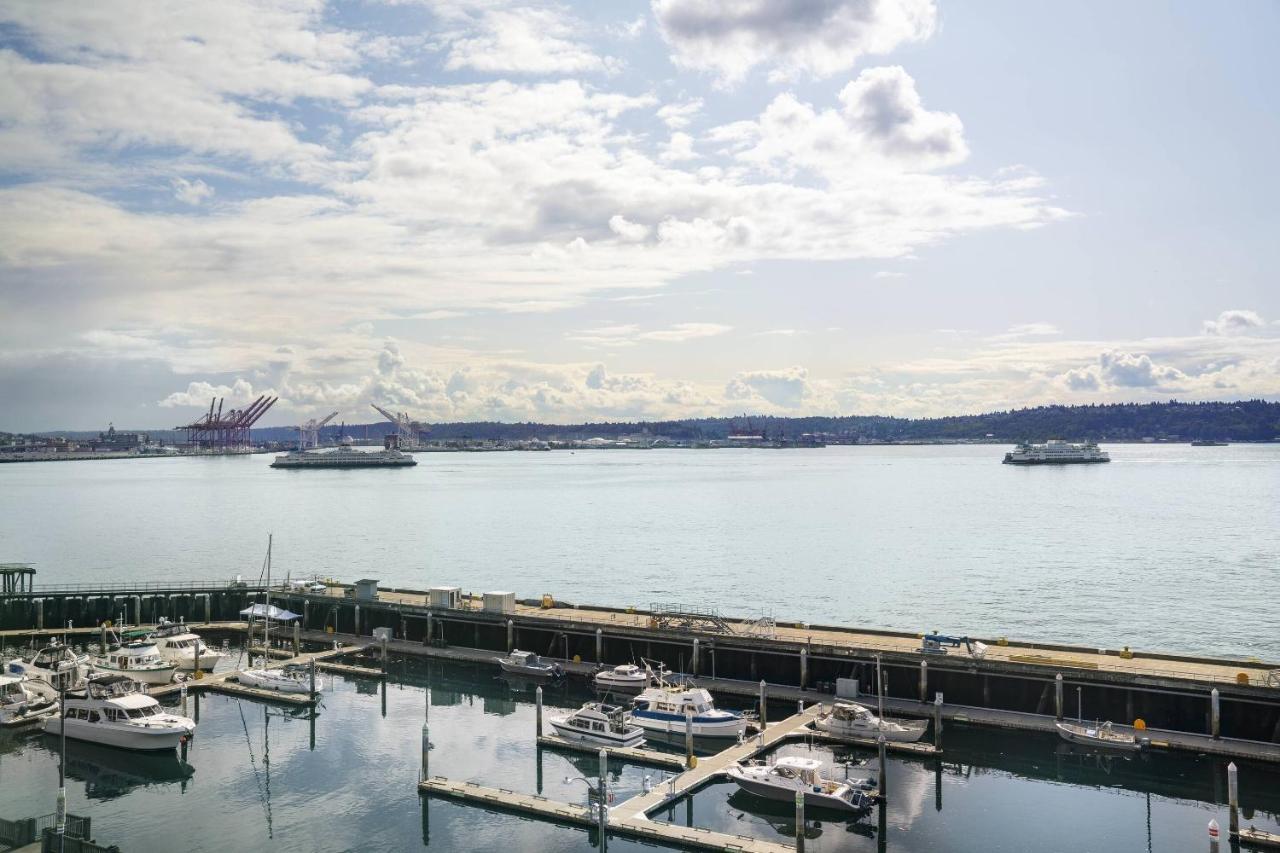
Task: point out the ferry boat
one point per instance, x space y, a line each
662 709
1056 452
179 646
24 700
596 722
847 719
792 774
344 457
1205 442
109 710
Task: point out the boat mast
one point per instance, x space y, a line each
266 597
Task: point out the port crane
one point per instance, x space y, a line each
936 644
407 429
309 433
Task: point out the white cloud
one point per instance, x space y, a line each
791 37
200 393
628 334
191 192
1233 322
678 116
525 40
632 232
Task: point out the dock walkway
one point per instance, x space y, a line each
223 682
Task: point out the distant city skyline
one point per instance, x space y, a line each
493 210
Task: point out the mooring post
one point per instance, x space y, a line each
311 673
538 699
688 738
799 820
884 764
40 614
425 772
799 706
207 596
430 635
1213 835
1233 801
693 665
102 639
924 681
195 663
764 707
1057 694
804 668
182 692
357 625
937 721
1215 714
600 645
383 643
297 638
511 635
604 802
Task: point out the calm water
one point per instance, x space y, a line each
1168 547
252 780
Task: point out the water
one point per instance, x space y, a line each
253 781
1171 548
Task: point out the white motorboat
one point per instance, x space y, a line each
56 665
290 678
846 719
781 780
1103 735
663 709
179 646
137 659
596 722
529 663
625 676
109 710
24 700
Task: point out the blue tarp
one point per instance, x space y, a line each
269 611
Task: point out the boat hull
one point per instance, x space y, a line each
250 678
783 794
162 675
633 737
1071 735
121 737
528 671
905 732
621 684
730 727
1056 461
187 663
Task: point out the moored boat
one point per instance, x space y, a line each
1103 735
109 710
290 678
23 700
596 722
625 677
136 659
791 774
178 645
56 665
847 719
663 709
530 664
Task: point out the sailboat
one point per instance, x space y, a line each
291 678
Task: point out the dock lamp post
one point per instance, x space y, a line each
598 788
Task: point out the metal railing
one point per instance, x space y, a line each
145 587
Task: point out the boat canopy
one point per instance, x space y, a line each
270 611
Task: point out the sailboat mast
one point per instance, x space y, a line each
266 597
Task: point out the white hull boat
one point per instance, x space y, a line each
598 723
23 700
110 711
1103 736
56 665
849 720
289 679
179 646
529 664
139 660
782 780
663 709
625 677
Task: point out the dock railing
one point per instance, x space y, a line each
146 587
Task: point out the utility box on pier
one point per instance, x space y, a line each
446 596
366 590
500 602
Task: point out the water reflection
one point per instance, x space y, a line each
108 772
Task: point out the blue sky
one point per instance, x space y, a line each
481 209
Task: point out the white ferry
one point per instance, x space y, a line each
1056 452
344 457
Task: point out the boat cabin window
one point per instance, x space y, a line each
92 716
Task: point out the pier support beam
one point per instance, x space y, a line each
1057 695
206 598
924 681
430 633
306 613
804 669
1233 802
137 609
1215 714
40 614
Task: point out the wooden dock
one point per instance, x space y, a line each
633 755
1252 837
920 749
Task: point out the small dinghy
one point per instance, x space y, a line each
846 719
780 781
596 722
1102 735
528 663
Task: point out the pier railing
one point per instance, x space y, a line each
145 587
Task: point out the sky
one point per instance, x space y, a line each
503 210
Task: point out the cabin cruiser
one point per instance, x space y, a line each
137 659
24 700
846 719
109 710
663 708
1104 735
528 663
290 678
179 646
56 665
1056 452
625 676
596 722
790 774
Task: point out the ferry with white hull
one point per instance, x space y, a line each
1056 452
344 457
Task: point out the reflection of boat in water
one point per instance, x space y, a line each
846 719
108 772
792 774
1104 736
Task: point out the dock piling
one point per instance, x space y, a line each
1215 714
312 673
426 751
884 762
538 699
297 639
1213 835
924 681
1057 695
799 821
600 645
1233 801
604 802
182 692
688 738
764 707
804 668
511 635
937 721
693 665
102 639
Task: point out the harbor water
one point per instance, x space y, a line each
1168 547
261 777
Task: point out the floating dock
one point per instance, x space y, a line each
629 754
